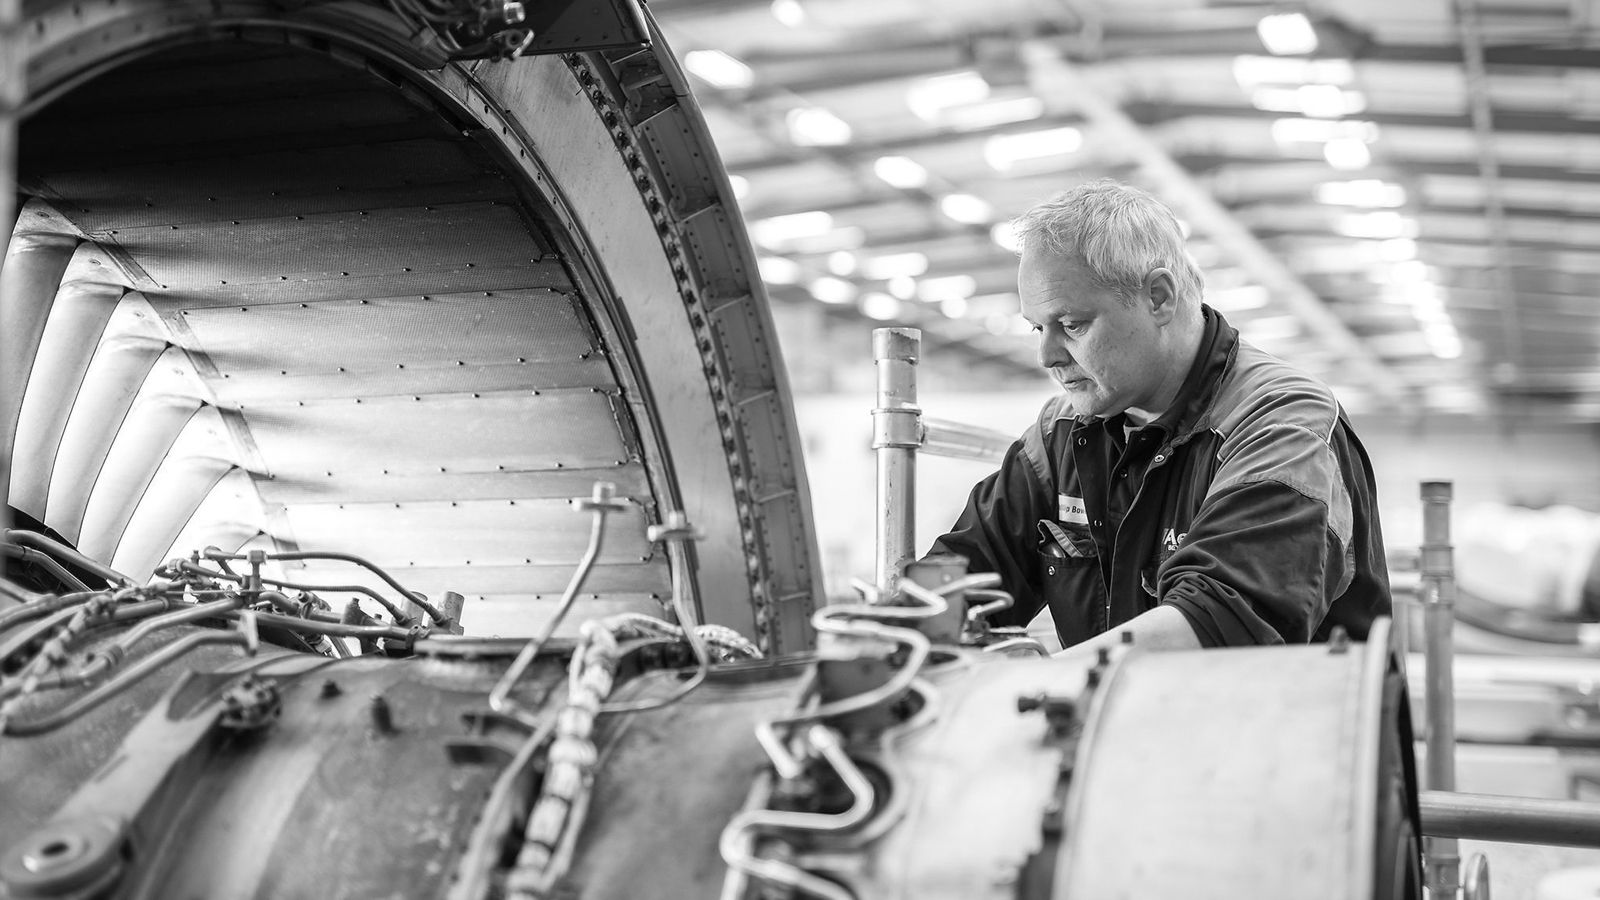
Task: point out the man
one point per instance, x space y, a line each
1185 485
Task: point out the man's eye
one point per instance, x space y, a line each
1074 327
1035 328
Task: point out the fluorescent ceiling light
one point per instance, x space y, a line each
1410 271
900 172
1427 306
846 238
966 209
953 307
1253 71
1287 34
911 263
780 230
1271 329
1368 192
1380 224
1007 323
1004 151
842 262
879 306
1324 101
1317 131
833 290
1347 154
1397 249
946 287
789 12
1443 340
740 185
718 69
902 287
1421 294
1005 235
1234 299
778 270
992 113
930 97
995 304
813 126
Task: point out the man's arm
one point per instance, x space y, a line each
1271 547
1162 628
998 532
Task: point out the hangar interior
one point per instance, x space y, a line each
424 298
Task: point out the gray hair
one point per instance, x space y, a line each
1118 232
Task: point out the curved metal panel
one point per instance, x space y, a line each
142 445
82 309
199 459
36 259
229 517
119 368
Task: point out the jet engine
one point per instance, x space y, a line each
405 500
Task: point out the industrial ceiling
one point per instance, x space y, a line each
1403 197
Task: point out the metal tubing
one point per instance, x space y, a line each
332 629
959 441
301 556
737 849
1438 603
59 550
1517 820
43 561
599 504
896 435
245 636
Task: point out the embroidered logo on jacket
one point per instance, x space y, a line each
1170 539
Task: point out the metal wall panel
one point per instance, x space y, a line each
517 431
337 245
476 532
514 616
274 183
392 334
360 487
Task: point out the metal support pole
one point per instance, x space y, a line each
896 435
1438 604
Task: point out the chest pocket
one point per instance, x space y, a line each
1070 579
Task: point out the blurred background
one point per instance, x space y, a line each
1401 197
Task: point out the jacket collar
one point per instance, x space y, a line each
1219 343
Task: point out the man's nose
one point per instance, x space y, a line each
1052 352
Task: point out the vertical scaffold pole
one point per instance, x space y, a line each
1438 605
896 435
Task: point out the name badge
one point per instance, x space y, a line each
1071 511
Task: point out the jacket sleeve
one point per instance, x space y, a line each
998 529
1270 549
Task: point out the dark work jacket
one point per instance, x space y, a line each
1249 506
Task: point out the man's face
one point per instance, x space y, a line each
1106 354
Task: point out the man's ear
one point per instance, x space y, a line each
1163 294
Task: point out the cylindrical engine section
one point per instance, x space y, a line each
431 300
1226 774
1272 772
